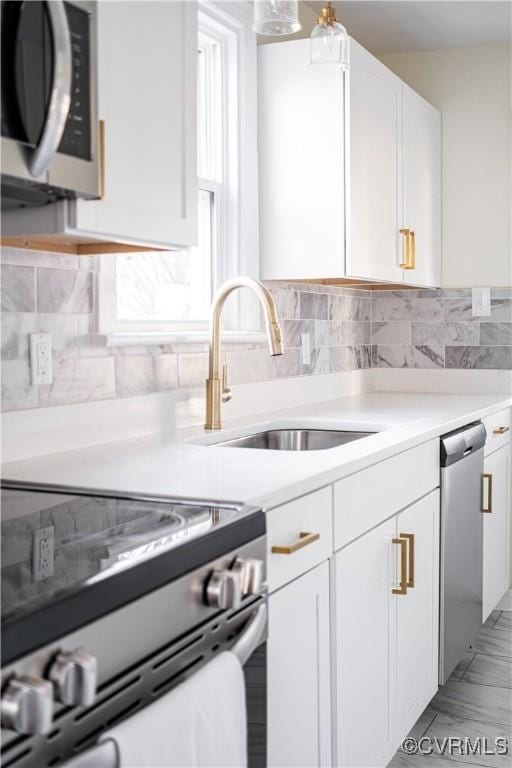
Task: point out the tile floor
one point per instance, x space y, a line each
475 702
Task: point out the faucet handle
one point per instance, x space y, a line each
226 392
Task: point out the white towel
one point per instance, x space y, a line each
201 723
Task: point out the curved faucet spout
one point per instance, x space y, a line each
216 390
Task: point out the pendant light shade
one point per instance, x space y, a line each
329 42
276 17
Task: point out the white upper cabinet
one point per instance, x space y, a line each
373 168
147 98
346 163
422 185
302 226
147 63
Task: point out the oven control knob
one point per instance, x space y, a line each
74 676
223 590
251 572
27 705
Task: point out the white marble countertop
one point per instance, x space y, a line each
178 465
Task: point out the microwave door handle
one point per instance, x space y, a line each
60 97
252 636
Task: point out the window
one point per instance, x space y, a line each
168 290
161 294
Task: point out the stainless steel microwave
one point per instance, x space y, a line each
49 120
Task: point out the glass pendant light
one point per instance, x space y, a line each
329 42
276 17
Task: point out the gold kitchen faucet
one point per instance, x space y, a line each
217 391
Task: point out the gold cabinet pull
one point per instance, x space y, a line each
412 264
407 248
501 430
303 541
487 476
402 589
410 539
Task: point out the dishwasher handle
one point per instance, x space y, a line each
462 442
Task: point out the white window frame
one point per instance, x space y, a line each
236 234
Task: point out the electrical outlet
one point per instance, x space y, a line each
305 348
43 553
41 358
481 302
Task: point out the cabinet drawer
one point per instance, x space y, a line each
311 514
499 430
366 498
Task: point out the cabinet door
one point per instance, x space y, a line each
364 648
373 133
147 56
496 527
422 186
417 613
301 165
298 663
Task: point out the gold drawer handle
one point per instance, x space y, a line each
402 589
487 476
407 563
501 430
303 541
410 538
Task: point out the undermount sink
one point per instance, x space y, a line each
294 439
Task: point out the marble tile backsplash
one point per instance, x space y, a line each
57 294
436 329
349 329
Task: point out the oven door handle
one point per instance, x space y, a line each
60 97
255 631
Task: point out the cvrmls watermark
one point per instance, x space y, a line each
454 745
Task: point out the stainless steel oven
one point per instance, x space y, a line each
111 601
49 121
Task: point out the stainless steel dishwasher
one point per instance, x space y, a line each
462 465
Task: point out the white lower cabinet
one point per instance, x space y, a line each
417 614
299 675
364 654
496 508
385 644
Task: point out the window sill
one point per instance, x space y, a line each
150 338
